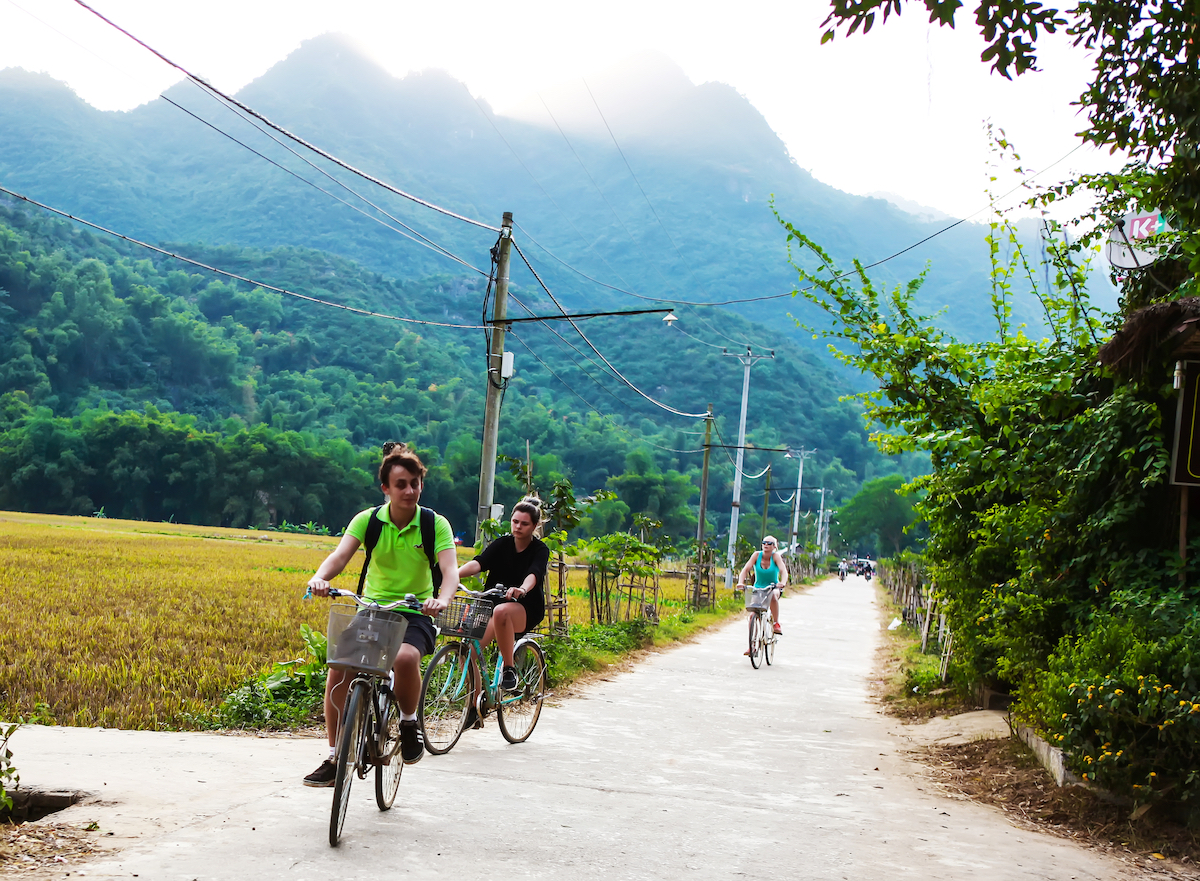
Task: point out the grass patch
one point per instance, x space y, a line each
909 683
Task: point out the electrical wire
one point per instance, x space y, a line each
545 193
686 264
233 275
592 407
599 354
294 137
433 246
793 293
567 344
282 143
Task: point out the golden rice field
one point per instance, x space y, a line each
129 624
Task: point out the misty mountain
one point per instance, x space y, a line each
648 182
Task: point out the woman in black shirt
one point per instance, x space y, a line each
518 562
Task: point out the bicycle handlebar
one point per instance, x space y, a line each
493 593
410 601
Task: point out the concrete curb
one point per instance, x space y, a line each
1051 757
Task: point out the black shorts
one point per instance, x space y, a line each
420 633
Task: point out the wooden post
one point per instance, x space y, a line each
1184 492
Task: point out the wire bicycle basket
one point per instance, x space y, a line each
758 599
466 618
364 640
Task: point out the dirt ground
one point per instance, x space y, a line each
1005 774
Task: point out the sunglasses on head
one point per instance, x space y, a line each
388 446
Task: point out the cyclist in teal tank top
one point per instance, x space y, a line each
773 572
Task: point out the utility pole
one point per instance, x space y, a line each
747 360
495 383
821 525
704 478
794 540
766 500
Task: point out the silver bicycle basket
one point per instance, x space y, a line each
364 640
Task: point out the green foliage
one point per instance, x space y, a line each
877 517
1123 702
224 404
9 778
1049 510
285 696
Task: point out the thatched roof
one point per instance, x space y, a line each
1159 329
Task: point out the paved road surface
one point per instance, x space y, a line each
693 765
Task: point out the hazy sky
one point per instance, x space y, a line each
900 110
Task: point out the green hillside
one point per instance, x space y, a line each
133 384
706 159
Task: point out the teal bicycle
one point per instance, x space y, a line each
452 679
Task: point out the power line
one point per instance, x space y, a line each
299 140
433 246
545 193
595 409
599 354
282 143
567 344
670 238
233 275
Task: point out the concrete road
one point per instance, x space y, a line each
693 765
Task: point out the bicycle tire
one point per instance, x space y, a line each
755 639
518 711
446 690
388 766
348 749
768 639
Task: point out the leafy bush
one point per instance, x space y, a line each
1124 706
9 778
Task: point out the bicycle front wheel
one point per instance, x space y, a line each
387 747
347 756
755 639
446 691
519 709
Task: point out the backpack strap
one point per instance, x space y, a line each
374 530
428 540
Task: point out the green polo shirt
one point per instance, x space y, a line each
398 563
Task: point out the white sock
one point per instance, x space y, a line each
408 717
332 751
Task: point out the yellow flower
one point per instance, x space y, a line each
1118 691
1064 715
1153 774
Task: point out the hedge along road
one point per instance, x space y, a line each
693 765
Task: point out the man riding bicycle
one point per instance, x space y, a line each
399 565
774 572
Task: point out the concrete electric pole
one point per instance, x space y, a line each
495 382
747 360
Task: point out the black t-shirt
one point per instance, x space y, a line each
505 565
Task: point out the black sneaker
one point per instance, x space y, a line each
412 743
323 776
508 679
473 720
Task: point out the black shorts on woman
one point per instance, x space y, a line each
506 566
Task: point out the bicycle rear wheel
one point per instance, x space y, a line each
387 747
768 638
755 639
446 691
349 748
519 710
